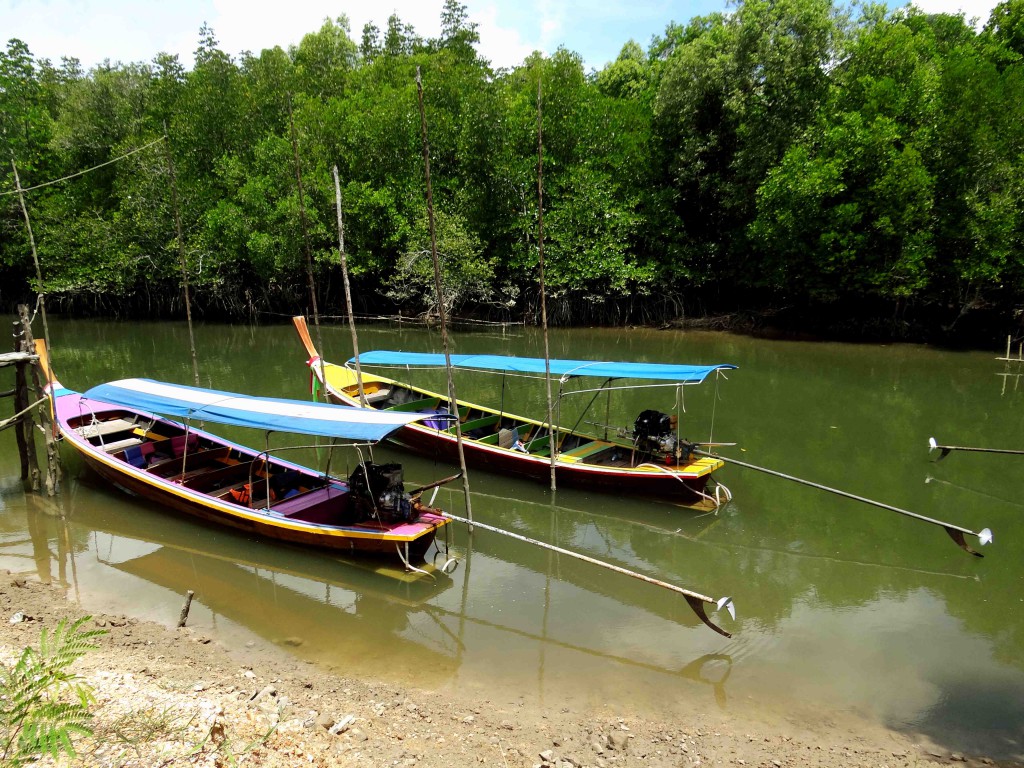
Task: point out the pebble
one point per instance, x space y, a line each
617 740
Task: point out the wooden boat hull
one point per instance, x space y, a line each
685 483
646 482
408 540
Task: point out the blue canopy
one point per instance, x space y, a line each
682 374
265 413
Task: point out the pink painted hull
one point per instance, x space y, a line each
410 539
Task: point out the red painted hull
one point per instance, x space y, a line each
429 442
435 443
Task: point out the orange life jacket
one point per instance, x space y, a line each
244 494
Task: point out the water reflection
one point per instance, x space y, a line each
358 615
842 607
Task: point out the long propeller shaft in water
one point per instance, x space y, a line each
946 449
955 532
694 599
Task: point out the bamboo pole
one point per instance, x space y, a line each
181 255
41 300
552 436
348 290
305 232
442 313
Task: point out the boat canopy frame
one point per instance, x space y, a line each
563 369
667 375
358 425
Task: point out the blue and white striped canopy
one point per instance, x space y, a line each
682 374
266 413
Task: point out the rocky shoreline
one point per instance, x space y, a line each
168 697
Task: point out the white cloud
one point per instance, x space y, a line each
972 9
502 46
510 30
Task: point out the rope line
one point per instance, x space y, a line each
87 170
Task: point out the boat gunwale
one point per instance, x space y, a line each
266 516
644 470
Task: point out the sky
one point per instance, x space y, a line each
510 30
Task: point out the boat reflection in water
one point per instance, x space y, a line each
359 617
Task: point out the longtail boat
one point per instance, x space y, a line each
651 460
121 431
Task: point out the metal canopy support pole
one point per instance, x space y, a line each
441 311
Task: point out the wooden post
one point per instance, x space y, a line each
442 313
23 429
552 435
348 292
45 413
305 231
183 616
181 254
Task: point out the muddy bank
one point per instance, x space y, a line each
169 696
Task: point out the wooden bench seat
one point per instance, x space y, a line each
486 421
538 446
120 445
216 478
587 449
416 405
108 427
171 465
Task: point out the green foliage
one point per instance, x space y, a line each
43 704
465 274
782 151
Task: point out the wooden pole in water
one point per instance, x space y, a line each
305 231
181 255
183 616
442 313
23 427
552 437
41 300
45 418
348 291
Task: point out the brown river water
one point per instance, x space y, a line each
843 607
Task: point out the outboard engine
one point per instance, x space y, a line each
379 492
655 432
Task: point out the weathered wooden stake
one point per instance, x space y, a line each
441 311
552 436
183 617
181 255
23 428
45 413
305 229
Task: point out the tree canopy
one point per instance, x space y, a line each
783 154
